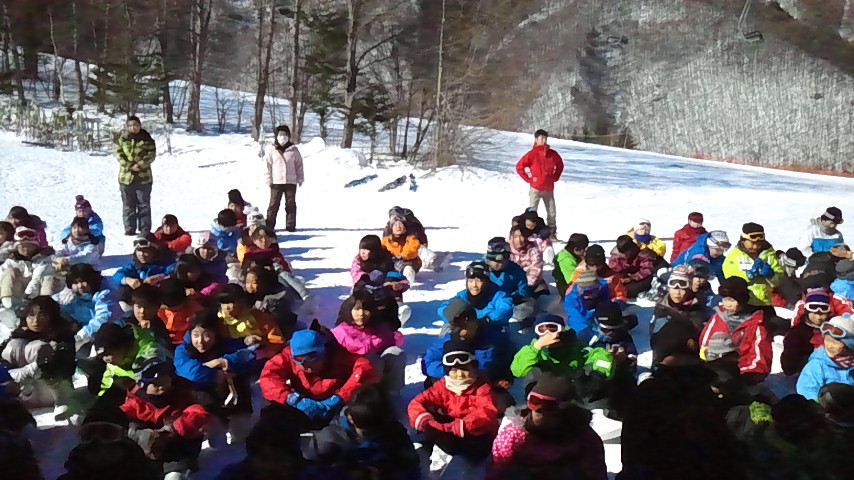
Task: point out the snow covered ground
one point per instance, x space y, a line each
603 192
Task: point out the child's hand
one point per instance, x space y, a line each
144 324
547 340
133 283
220 363
505 384
619 353
155 280
251 340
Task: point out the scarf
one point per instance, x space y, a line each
458 386
844 361
643 238
282 148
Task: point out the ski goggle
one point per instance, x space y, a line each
678 283
828 328
141 243
308 357
537 401
477 270
547 327
817 307
101 432
754 237
26 234
452 359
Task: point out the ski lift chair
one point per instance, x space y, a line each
754 36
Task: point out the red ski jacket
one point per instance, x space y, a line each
545 167
473 411
750 338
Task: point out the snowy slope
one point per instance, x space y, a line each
603 193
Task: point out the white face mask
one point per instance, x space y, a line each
283 139
458 386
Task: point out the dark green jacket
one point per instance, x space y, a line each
135 155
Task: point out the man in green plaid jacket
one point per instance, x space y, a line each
135 150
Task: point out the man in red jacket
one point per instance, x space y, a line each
541 168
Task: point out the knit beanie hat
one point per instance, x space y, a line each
235 197
586 279
498 249
793 258
718 239
751 227
111 336
80 202
626 244
695 217
682 272
720 344
595 255
845 269
578 240
735 287
557 388
25 235
818 274
609 315
254 218
455 308
843 324
833 214
817 295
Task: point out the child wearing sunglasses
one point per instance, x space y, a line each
581 300
746 325
755 260
805 335
28 272
680 303
833 362
457 413
556 349
550 437
149 266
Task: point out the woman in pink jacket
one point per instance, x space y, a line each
359 334
283 174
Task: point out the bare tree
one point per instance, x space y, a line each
266 14
200 19
163 41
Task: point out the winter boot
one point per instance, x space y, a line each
404 311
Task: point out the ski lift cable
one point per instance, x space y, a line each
752 36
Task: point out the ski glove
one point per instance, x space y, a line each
760 268
293 398
318 408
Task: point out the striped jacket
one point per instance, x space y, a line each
135 155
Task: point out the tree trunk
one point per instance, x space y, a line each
263 72
352 73
58 63
163 40
17 68
437 145
78 72
200 19
296 127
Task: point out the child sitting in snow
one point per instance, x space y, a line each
145 305
844 283
226 231
594 260
490 304
386 291
371 256
567 260
165 419
190 271
92 304
457 413
177 309
83 209
833 362
40 354
525 253
239 206
581 300
745 324
218 366
611 329
212 259
243 321
170 233
635 265
359 333
126 350
534 228
430 260
550 437
7 240
20 217
679 304
262 244
687 235
367 437
28 272
148 267
403 247
80 246
642 237
267 294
